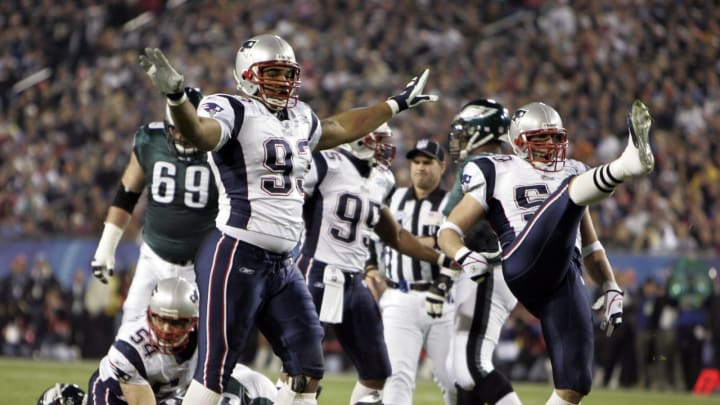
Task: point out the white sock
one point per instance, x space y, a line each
285 395
556 400
628 164
198 394
307 398
361 392
511 398
594 185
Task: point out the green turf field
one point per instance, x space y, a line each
22 381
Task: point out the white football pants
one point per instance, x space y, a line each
150 269
408 328
496 304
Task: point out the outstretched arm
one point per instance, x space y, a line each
350 125
401 240
203 133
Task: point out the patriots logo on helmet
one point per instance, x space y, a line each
518 114
247 45
194 297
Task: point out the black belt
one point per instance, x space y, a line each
405 286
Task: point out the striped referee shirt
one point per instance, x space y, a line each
421 217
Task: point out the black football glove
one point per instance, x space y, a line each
412 95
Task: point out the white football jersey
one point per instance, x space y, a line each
259 165
345 196
510 189
134 360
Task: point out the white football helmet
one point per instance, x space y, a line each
537 135
173 313
262 54
375 147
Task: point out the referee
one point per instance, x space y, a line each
419 210
408 327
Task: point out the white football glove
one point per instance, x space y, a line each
477 264
412 95
103 264
163 76
612 302
438 292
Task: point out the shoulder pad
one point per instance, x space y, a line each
575 166
386 173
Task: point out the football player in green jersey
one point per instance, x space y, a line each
181 209
482 306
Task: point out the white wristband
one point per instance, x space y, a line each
452 273
110 238
452 227
461 253
394 107
611 285
593 247
441 258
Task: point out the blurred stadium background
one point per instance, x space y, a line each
72 95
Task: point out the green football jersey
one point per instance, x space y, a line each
182 196
456 192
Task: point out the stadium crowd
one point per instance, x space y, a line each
72 95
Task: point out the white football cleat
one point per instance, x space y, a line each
638 159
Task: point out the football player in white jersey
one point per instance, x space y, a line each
481 306
260 145
536 201
346 190
153 358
